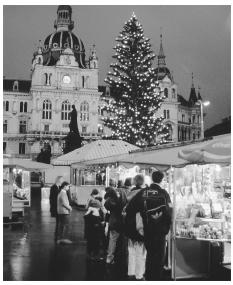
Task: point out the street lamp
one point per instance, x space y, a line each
205 104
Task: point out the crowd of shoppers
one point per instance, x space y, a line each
127 226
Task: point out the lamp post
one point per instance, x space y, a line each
202 104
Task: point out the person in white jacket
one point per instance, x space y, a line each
63 209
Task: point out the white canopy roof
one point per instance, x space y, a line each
160 157
25 164
95 150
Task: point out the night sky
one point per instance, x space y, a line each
195 39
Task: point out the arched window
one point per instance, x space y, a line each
47 110
25 107
65 110
84 111
166 92
170 131
173 93
6 106
21 107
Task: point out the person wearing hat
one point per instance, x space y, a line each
94 229
63 209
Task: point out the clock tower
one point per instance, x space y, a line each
61 77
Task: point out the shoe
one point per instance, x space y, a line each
67 241
131 278
58 241
140 279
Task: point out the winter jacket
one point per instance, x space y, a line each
54 190
115 202
63 205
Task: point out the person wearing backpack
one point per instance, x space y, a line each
156 209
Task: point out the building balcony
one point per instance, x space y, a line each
33 135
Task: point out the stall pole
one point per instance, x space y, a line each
170 233
174 229
107 177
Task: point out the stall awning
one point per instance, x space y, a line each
25 164
161 158
216 151
95 150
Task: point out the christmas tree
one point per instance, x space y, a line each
135 95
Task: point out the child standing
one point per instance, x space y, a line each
94 229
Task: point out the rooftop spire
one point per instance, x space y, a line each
161 56
199 93
192 86
192 97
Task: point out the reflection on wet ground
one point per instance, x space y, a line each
30 252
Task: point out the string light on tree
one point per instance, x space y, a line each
135 92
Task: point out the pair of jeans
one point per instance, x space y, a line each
63 226
155 246
113 238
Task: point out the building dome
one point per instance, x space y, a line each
57 42
62 39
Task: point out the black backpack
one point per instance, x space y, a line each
156 212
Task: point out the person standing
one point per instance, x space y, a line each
63 209
54 190
115 200
134 230
156 226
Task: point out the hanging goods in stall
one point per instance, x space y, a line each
200 221
17 184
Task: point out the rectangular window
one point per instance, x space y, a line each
4 147
21 148
46 128
168 114
183 117
194 119
22 127
84 129
164 113
5 126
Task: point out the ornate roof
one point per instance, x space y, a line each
62 38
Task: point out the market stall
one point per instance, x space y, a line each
85 176
200 190
202 203
16 184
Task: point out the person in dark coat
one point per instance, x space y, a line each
115 200
154 233
94 229
54 190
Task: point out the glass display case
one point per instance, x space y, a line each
203 202
21 187
202 216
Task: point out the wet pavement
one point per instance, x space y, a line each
31 254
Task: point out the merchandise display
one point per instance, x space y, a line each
21 185
203 202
